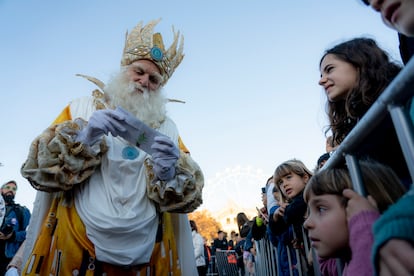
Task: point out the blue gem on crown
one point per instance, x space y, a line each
156 54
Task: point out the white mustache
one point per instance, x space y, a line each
133 87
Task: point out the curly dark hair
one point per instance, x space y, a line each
375 71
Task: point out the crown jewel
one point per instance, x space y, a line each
142 43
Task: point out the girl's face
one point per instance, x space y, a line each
397 14
292 184
327 225
337 77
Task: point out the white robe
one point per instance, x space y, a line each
120 220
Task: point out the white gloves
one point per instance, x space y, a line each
135 131
165 157
121 123
100 123
163 151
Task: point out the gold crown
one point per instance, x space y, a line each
142 43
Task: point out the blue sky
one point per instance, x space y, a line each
249 77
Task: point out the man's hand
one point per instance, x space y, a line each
165 157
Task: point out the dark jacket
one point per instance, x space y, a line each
17 219
220 244
294 215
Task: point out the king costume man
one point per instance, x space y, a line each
114 179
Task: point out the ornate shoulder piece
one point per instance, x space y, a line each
98 95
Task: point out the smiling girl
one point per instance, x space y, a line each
353 74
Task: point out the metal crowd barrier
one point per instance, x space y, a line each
266 259
227 262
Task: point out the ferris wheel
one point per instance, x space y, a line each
240 185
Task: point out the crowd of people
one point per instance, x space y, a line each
315 220
115 179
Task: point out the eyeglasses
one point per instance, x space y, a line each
10 188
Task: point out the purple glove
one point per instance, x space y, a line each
135 131
164 157
100 123
163 151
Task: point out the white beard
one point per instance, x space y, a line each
148 106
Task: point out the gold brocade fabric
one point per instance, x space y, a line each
63 248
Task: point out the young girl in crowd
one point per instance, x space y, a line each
286 261
353 74
393 251
339 221
291 177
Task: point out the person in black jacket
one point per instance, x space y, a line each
220 243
